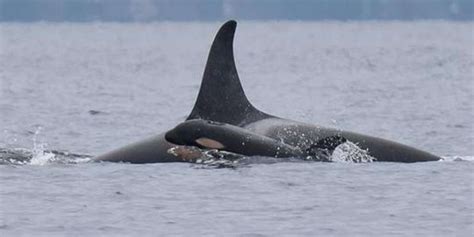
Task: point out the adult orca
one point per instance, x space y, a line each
222 99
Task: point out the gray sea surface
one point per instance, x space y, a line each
82 89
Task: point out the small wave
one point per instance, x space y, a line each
457 158
21 156
39 155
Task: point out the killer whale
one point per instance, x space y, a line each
221 98
215 135
208 134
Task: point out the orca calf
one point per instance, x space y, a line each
208 134
220 136
222 99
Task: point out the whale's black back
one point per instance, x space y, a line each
221 97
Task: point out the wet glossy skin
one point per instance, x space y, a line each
222 99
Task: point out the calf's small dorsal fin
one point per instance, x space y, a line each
221 97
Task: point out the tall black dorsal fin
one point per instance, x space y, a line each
221 97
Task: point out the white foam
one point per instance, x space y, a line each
457 158
39 155
350 153
42 158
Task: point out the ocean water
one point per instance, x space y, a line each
84 89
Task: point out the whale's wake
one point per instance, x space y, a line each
347 152
38 156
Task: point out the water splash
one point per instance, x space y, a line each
349 152
39 154
22 156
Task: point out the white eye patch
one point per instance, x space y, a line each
209 143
